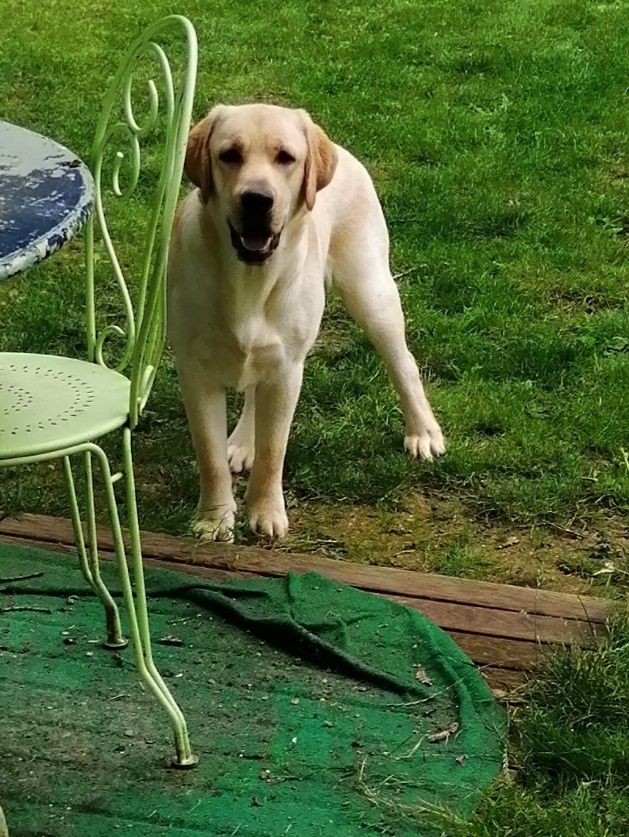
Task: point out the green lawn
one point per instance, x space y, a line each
570 753
496 132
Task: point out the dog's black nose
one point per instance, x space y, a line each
257 202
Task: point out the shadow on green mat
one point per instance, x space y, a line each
315 709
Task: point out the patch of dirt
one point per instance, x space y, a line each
437 533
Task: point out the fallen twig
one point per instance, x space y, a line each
411 702
23 608
399 275
565 529
9 579
171 640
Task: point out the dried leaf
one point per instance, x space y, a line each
443 734
512 541
421 675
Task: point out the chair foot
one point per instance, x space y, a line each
185 758
114 640
136 603
188 763
115 644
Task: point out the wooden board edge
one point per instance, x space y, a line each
504 682
273 563
507 625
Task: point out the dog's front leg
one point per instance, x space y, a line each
204 401
275 401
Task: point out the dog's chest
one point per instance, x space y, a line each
256 349
267 332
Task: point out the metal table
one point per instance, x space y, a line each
46 194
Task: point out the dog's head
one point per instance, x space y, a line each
259 165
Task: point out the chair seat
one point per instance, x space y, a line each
50 403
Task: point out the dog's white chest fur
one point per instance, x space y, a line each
258 349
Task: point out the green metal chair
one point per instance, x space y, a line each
59 408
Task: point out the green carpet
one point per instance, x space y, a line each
315 709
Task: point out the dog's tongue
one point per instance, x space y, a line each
256 243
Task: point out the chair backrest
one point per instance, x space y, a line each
118 147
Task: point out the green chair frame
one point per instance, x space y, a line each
142 337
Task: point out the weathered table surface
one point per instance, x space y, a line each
46 194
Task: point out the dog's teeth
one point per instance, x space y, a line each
256 249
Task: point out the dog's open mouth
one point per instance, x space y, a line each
253 248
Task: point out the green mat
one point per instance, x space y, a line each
315 709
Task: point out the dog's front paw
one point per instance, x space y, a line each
215 525
427 443
267 517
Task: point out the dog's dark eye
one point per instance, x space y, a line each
230 155
285 157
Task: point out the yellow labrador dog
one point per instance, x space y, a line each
280 214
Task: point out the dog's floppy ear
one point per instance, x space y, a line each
321 160
198 164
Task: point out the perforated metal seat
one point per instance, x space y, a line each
49 403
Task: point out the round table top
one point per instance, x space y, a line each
46 194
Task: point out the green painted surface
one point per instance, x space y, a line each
302 697
52 403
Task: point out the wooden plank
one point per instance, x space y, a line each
273 562
43 528
504 623
513 654
496 651
502 681
466 618
210 573
189 569
53 546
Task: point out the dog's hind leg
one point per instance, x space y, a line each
364 281
241 443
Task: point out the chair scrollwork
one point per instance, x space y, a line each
120 139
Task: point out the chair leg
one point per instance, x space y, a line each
137 606
89 561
